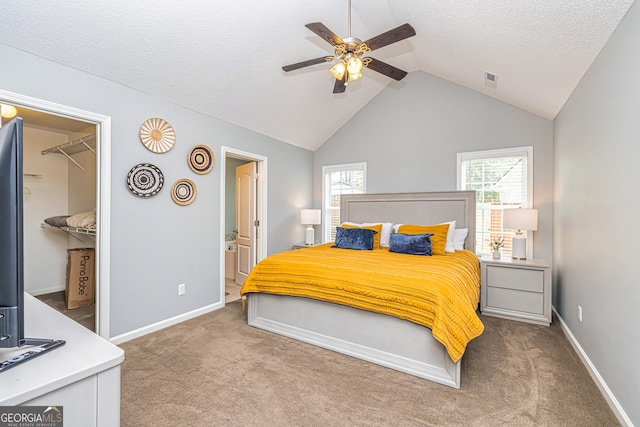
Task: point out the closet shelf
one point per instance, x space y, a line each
72 230
68 149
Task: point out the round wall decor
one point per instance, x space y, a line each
201 159
157 135
145 180
183 192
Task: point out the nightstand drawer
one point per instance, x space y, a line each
514 278
509 299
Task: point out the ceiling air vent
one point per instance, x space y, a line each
490 79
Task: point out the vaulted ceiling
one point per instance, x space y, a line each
224 58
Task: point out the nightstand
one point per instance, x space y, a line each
302 246
516 289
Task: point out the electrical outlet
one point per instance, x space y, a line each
182 289
580 313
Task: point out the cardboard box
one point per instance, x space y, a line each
80 291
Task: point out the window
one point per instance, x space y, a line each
503 179
339 180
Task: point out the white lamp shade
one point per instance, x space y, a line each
310 216
520 219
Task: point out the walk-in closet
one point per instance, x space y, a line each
59 163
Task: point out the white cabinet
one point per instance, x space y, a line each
82 376
516 289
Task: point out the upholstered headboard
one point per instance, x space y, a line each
413 208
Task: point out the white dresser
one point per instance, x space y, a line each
516 289
82 376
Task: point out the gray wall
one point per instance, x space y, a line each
596 214
45 251
410 134
156 244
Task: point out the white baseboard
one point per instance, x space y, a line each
44 291
119 339
597 378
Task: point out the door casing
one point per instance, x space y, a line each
261 205
103 192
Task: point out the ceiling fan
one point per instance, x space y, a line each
349 53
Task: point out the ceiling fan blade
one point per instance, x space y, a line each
307 63
328 35
386 69
341 84
399 33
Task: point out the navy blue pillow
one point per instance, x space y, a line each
354 238
411 244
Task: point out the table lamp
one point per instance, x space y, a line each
520 219
310 217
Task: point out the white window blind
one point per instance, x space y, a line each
502 179
338 180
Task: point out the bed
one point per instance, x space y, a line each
399 343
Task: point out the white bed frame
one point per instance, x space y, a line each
378 338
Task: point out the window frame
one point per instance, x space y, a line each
524 151
325 196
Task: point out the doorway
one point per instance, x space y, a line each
251 236
101 126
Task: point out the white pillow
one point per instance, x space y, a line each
449 246
385 233
459 236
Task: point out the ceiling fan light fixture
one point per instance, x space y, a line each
354 66
354 76
338 70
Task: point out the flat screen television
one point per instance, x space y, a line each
12 251
11 238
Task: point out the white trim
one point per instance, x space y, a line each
526 151
137 333
501 152
336 168
103 189
597 378
261 207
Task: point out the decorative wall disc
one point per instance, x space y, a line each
157 135
145 180
183 192
201 159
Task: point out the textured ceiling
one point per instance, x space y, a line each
224 58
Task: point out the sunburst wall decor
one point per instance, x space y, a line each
157 135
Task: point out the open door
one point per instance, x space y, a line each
246 220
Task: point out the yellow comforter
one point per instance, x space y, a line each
440 292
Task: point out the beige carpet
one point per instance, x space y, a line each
217 371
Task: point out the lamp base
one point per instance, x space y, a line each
309 238
519 247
